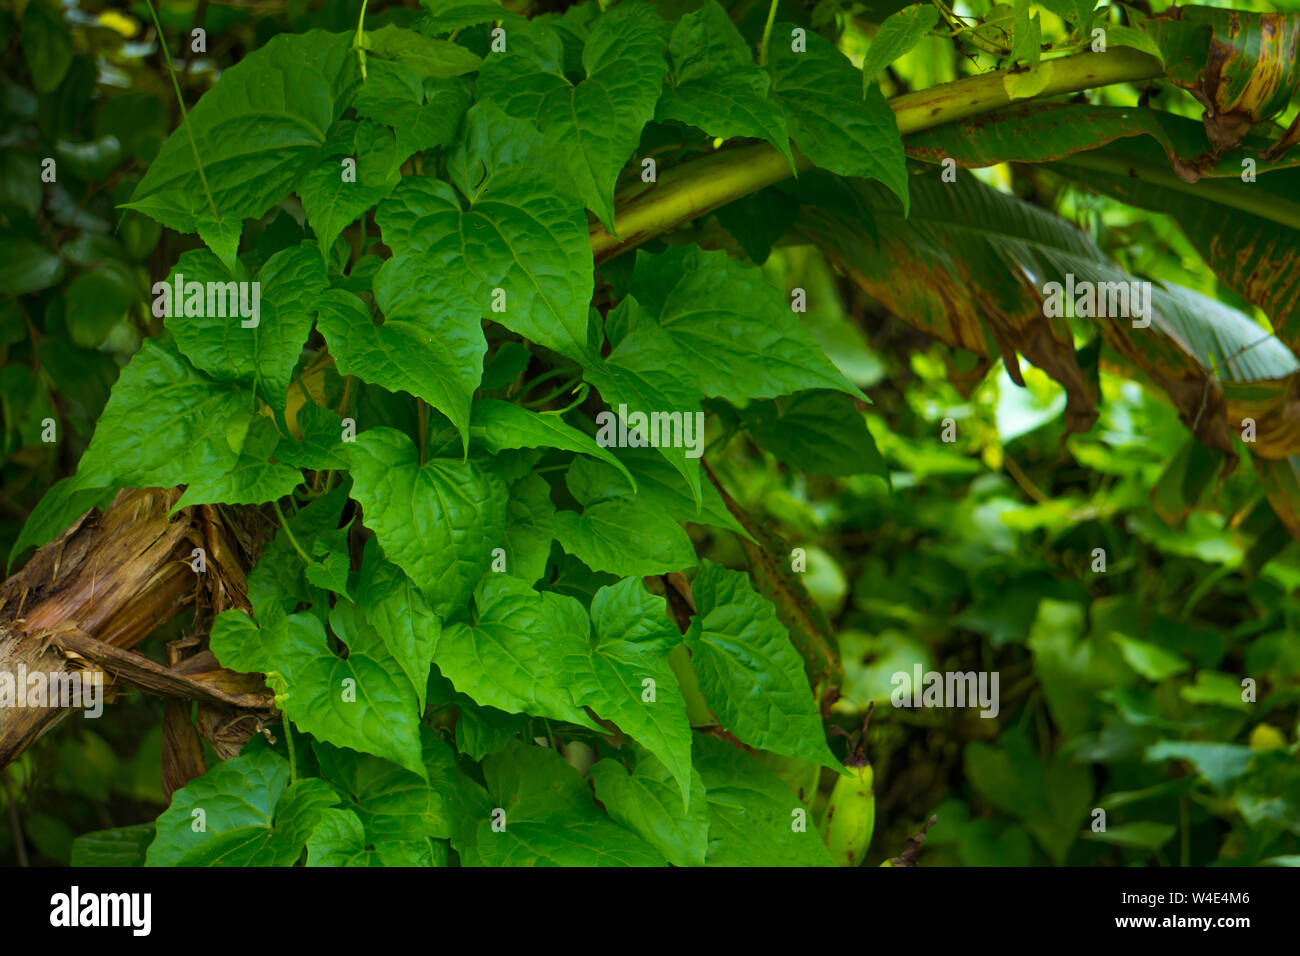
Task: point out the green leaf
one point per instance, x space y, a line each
97 301
448 16
1218 763
394 606
497 426
253 480
256 130
1027 35
1141 836
550 817
216 339
438 521
1135 37
424 113
625 677
280 580
837 124
1221 690
340 840
250 815
334 192
752 812
393 804
715 85
595 124
749 672
518 235
238 643
819 431
165 424
27 266
47 45
321 445
612 536
1150 660
530 527
739 334
513 657
661 490
1052 797
428 57
364 702
647 802
647 374
430 344
123 846
897 36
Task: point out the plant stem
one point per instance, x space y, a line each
767 33
293 760
289 534
356 42
702 185
185 116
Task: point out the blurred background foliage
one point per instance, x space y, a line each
1120 689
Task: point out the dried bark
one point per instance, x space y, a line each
104 585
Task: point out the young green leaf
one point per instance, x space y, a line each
549 817
214 334
497 426
521 251
527 637
837 124
255 132
394 606
897 36
738 333
165 424
340 840
612 536
749 671
430 344
438 521
595 124
647 801
624 675
715 85
251 815
752 811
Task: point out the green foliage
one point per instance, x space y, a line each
509 615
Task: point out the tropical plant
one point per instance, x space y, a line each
558 433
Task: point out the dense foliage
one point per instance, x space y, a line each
504 626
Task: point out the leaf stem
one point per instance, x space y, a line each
360 38
185 116
289 534
288 742
767 33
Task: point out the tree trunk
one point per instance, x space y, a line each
114 578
